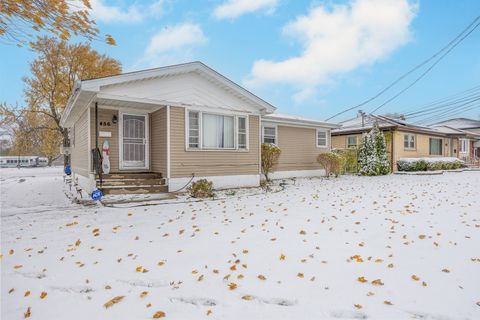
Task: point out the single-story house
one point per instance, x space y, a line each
404 139
470 136
171 125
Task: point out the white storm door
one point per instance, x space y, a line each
134 141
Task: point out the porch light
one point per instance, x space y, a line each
114 119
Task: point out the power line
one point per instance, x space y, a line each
428 70
442 100
455 110
407 73
438 108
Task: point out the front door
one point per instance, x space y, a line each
134 141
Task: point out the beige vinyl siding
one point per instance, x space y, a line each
211 163
340 142
299 148
106 115
158 141
79 146
422 146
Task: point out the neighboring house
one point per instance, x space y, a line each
469 149
171 125
404 140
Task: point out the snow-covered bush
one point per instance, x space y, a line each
429 164
332 163
372 156
201 189
270 155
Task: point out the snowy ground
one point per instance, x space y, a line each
393 247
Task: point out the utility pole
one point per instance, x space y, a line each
362 114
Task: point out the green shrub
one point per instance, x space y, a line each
270 155
332 163
429 164
421 165
350 157
201 189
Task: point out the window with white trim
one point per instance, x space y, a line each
464 145
321 138
351 141
193 130
216 131
409 141
242 132
270 134
436 146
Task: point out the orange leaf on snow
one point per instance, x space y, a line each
158 315
247 297
261 277
27 313
361 279
77 243
358 306
388 303
414 277
113 301
43 295
232 286
377 282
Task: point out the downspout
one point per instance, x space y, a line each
391 148
96 125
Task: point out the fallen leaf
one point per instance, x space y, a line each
247 297
282 257
414 277
232 286
113 301
27 314
43 295
143 294
159 314
261 277
300 275
358 306
446 270
209 312
377 282
27 293
361 279
77 243
388 303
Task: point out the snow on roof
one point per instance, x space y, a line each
279 117
460 123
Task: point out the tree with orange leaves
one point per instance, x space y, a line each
20 20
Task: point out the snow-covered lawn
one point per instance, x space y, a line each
392 247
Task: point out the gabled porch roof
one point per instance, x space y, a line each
88 91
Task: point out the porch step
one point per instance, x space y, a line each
131 175
133 189
132 183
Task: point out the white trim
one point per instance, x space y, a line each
196 66
297 174
408 148
301 123
89 142
120 141
268 125
168 142
327 140
219 182
87 184
260 141
467 144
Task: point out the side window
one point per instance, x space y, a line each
193 130
351 141
409 141
270 135
322 138
242 132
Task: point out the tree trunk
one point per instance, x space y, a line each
66 143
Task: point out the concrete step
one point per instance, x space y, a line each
132 182
133 189
131 175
